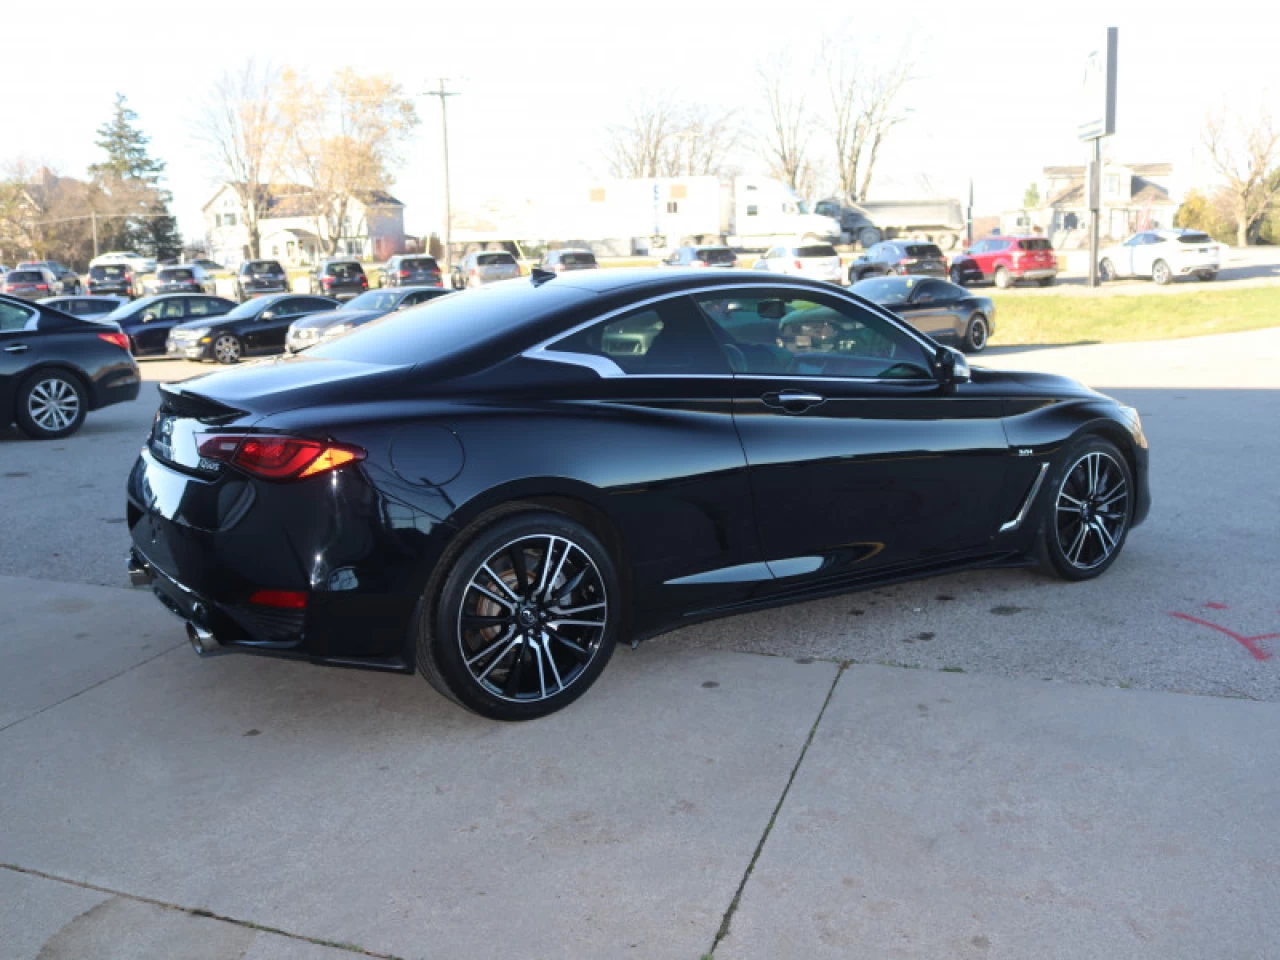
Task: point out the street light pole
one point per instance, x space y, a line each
443 94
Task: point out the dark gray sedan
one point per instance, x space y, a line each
308 331
948 313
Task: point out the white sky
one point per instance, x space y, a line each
993 93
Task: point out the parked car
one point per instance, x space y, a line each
256 278
901 257
30 283
411 270
702 256
55 368
500 496
1162 255
943 311
558 261
1006 260
486 266
147 321
115 279
818 261
68 280
84 306
183 278
310 330
254 327
135 261
341 279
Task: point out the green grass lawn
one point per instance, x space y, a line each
1085 319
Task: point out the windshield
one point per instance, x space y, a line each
345 271
113 271
495 259
419 263
885 289
250 308
374 300
1195 237
25 276
577 259
174 275
817 250
926 251
1035 243
264 268
714 255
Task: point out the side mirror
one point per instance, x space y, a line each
950 367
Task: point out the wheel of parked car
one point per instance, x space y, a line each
957 276
1106 271
523 616
1085 509
868 237
1161 273
975 337
51 404
1004 280
1047 281
1206 275
227 348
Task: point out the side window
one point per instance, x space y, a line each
13 317
786 333
312 304
289 308
171 309
930 291
671 337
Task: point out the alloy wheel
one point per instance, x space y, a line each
977 334
226 349
532 619
1092 510
1161 273
53 404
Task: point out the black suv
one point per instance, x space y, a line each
113 278
342 279
256 277
412 270
901 257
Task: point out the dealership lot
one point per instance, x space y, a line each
1043 786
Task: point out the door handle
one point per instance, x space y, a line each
792 401
17 348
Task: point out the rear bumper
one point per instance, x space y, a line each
1196 265
1036 273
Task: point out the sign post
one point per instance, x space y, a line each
1098 120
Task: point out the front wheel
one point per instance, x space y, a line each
1047 281
527 617
1004 279
1161 273
1204 276
1087 510
50 405
868 237
977 334
957 276
227 348
1106 271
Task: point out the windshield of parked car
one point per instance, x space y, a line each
374 300
817 250
494 259
714 255
345 271
1195 238
264 268
1034 243
926 250
25 276
112 271
886 289
577 259
419 263
174 275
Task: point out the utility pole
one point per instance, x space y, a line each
444 94
93 215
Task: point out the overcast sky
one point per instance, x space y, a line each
993 94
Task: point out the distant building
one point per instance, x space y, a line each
294 232
1134 197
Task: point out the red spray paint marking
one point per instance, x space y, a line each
1215 606
1249 643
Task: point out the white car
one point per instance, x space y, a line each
136 261
817 261
1162 255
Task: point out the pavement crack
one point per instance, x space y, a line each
755 856
92 686
200 912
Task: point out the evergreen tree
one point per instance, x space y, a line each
131 179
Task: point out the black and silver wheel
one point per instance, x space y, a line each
50 405
1089 509
1003 278
527 618
975 337
227 348
1106 271
957 276
1161 273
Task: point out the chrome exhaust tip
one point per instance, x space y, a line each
202 641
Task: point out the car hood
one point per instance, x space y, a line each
328 318
1030 384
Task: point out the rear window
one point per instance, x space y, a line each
419 263
578 259
926 250
174 275
495 259
112 271
1195 238
264 268
345 271
714 255
1035 243
25 276
818 250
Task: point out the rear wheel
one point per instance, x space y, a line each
1204 276
1086 514
1106 271
868 237
977 334
51 404
1004 279
527 617
1161 273
227 348
957 276
1047 281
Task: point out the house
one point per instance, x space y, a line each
1135 197
293 231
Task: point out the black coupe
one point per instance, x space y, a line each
498 487
942 310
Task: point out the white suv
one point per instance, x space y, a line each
817 261
1162 255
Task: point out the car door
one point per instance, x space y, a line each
859 459
1130 259
928 308
19 348
267 332
1145 254
155 322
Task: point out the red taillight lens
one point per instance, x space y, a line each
277 458
42 286
799 265
364 281
697 263
119 339
282 599
327 281
404 273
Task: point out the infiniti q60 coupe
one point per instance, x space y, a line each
496 488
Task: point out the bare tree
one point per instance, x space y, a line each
1245 154
863 111
238 122
638 148
343 141
785 140
701 143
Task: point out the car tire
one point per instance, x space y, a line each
227 348
1106 271
1092 471
1161 273
868 237
488 635
976 334
1205 276
1047 281
51 404
1003 278
957 276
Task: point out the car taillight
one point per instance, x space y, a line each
281 599
276 458
799 265
327 281
364 281
474 271
404 274
42 286
119 339
697 263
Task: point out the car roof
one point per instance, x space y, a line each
657 281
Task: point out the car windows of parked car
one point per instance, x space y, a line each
495 259
315 304
1195 237
419 263
1034 243
25 276
345 271
171 276
777 332
107 272
817 250
421 296
14 317
374 300
886 289
715 255
202 307
169 309
671 337
924 251
579 259
929 290
262 268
